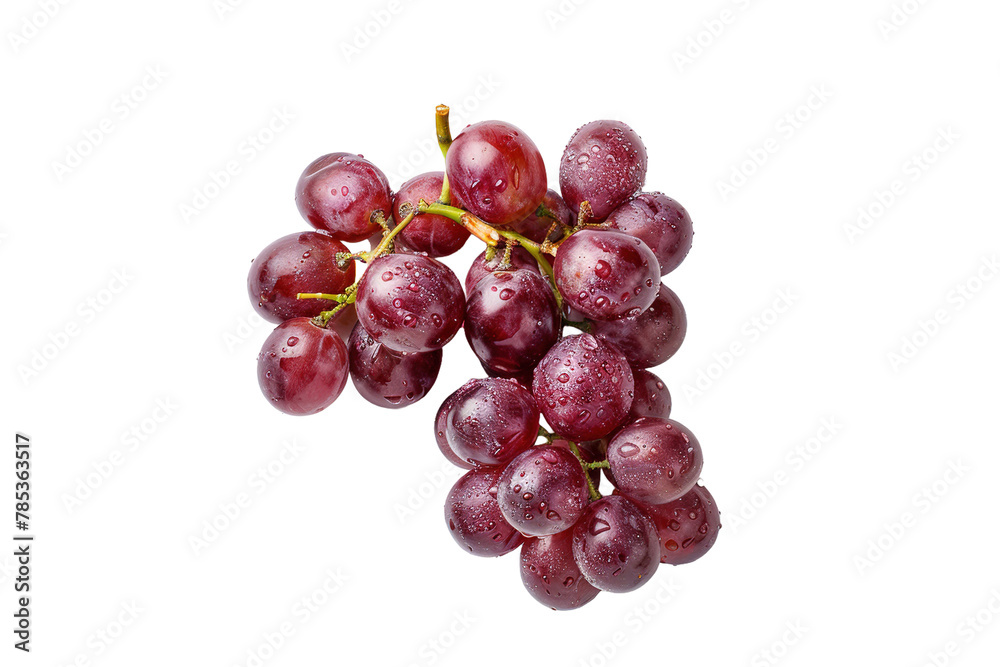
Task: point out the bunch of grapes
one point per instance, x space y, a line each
590 257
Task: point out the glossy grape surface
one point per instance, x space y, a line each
410 303
435 235
537 227
615 545
387 378
550 574
655 460
662 224
519 259
440 424
603 163
583 387
497 171
491 421
302 368
651 397
543 491
339 192
473 516
687 527
652 337
606 274
511 321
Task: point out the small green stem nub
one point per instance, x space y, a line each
443 130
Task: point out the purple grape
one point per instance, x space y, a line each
410 303
497 171
615 545
473 515
302 368
537 227
651 338
584 387
543 491
491 421
605 164
687 527
550 574
519 259
655 461
435 235
606 274
511 321
651 398
386 378
339 192
440 424
662 224
303 262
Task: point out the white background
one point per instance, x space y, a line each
870 548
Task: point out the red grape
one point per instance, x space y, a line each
551 575
519 259
651 397
473 515
303 262
606 274
511 321
435 235
302 368
536 227
615 545
410 303
584 387
339 192
440 424
662 224
650 338
687 526
491 421
387 378
543 491
655 460
605 164
497 171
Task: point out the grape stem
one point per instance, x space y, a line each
342 300
443 131
591 489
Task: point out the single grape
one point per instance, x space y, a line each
543 491
435 235
440 424
536 227
491 421
687 527
497 171
410 303
303 262
584 387
650 338
662 224
655 461
339 192
615 545
605 164
519 259
550 574
606 274
511 321
473 515
390 379
651 398
302 368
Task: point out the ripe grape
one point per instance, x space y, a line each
410 303
606 274
536 227
497 171
662 224
543 491
584 387
651 397
473 515
519 259
653 336
339 192
303 262
440 424
615 545
551 575
687 527
435 235
302 368
387 378
655 460
604 163
511 321
491 421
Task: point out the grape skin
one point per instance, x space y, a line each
440 424
537 227
543 491
604 163
339 192
302 368
519 259
655 461
651 397
387 378
491 421
473 516
550 574
653 336
435 235
662 223
687 527
615 545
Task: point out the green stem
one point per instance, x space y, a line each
591 488
443 130
383 245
